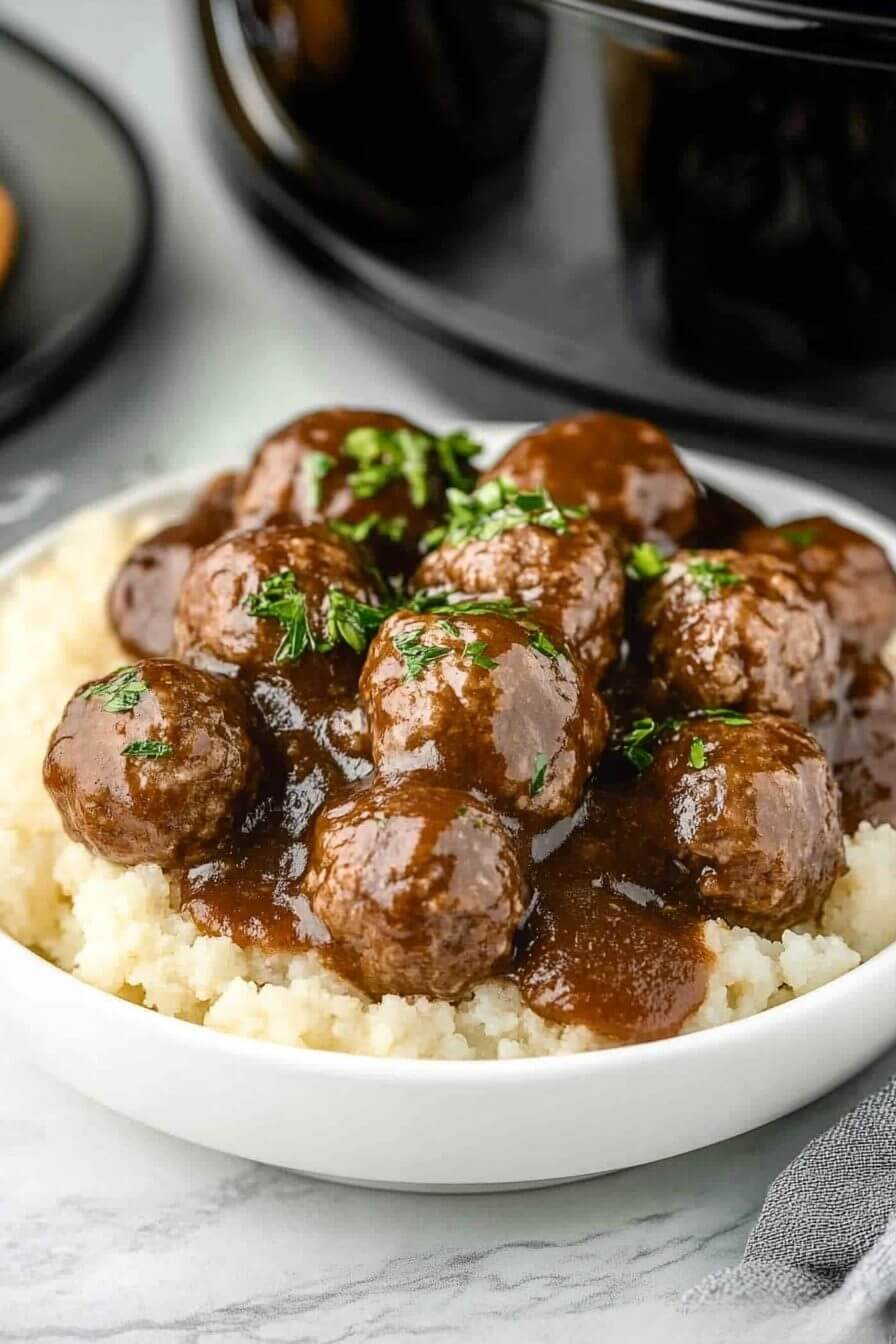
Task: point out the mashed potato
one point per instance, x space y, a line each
120 930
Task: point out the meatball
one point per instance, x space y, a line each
847 571
419 886
573 581
626 471
153 764
858 739
733 629
302 474
486 703
144 593
260 598
751 813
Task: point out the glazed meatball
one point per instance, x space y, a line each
751 812
626 471
152 764
733 629
419 886
847 571
858 738
301 474
246 599
488 704
573 581
144 593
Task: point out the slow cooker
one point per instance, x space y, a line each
686 207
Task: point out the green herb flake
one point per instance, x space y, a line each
477 652
280 599
538 640
416 655
450 629
315 467
732 717
352 622
393 529
118 693
148 749
644 731
496 507
384 456
645 561
697 754
539 774
447 604
800 537
712 576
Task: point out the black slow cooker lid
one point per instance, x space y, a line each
863 33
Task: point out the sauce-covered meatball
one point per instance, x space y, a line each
847 571
264 597
751 812
572 580
144 593
486 703
733 629
152 764
307 473
419 886
626 471
857 734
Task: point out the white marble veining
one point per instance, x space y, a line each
111 1232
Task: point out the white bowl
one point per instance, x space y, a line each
456 1125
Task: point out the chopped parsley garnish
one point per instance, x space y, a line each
495 507
477 652
641 740
353 622
800 537
148 748
440 604
697 755
387 455
539 640
315 467
281 599
539 774
120 692
416 655
450 629
711 576
393 529
645 561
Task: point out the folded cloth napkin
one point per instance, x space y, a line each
824 1246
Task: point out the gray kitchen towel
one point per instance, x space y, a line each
824 1247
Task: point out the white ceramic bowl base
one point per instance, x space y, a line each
452 1125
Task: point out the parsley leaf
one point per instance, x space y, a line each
440 604
645 561
393 529
120 692
711 576
450 629
315 467
697 755
149 748
280 599
539 774
353 622
800 537
495 507
539 641
641 740
416 655
476 651
387 455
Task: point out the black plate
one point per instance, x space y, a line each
85 204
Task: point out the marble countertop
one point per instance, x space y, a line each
109 1231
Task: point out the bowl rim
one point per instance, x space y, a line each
161 493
